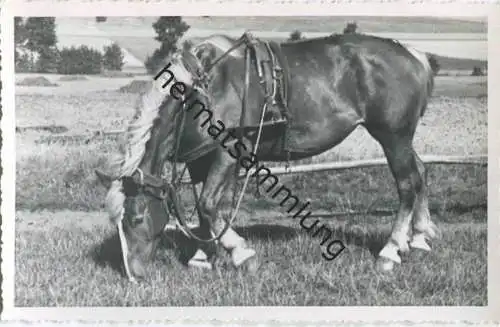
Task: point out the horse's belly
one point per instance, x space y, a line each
303 142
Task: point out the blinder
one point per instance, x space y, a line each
145 183
156 187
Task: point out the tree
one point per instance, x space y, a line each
477 71
81 60
19 31
24 59
351 28
35 40
295 36
169 30
48 60
40 33
113 57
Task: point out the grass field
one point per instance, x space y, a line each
70 259
68 255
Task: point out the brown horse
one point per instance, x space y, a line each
326 87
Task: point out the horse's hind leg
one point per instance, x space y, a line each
403 164
423 227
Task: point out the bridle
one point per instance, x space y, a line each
165 190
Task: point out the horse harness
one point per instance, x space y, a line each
272 70
273 73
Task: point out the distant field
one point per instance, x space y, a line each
448 63
316 23
142 47
459 83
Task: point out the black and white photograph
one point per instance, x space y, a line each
247 161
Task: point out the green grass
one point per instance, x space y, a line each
57 195
79 267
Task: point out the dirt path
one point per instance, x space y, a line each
66 219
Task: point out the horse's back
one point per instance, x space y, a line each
376 50
371 64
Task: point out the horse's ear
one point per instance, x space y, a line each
206 54
187 45
105 179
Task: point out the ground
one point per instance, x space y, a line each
69 258
67 253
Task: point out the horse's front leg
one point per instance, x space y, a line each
219 180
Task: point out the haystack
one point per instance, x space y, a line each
116 74
36 81
136 86
70 78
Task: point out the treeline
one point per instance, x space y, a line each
36 51
352 28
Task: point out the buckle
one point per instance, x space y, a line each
249 38
278 71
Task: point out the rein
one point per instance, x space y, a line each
169 189
182 224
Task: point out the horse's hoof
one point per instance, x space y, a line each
390 252
433 232
240 255
200 264
251 265
200 256
384 265
419 242
137 270
405 248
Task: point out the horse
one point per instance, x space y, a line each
333 85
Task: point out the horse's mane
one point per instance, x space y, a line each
337 38
132 148
220 42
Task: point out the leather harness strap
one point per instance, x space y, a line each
272 70
273 77
283 94
273 73
283 78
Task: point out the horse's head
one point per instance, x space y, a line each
140 207
139 197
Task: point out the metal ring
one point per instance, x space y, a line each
141 176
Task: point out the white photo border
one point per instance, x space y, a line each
247 314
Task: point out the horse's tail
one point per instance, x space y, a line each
431 68
433 63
